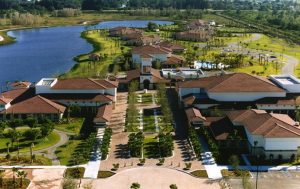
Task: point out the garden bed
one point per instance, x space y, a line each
25 160
235 173
200 173
8 183
105 174
74 173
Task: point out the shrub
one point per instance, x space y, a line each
69 184
135 144
135 186
188 166
173 186
115 166
106 142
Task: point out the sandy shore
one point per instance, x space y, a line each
1 38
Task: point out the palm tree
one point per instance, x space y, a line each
1 178
14 170
7 147
22 175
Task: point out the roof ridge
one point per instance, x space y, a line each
48 102
286 129
260 78
96 82
222 81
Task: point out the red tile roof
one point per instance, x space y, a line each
259 122
194 114
4 100
84 84
13 94
21 84
79 97
236 82
35 105
150 49
104 114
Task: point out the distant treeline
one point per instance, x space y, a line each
50 5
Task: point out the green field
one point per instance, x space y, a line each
73 127
271 44
24 145
104 46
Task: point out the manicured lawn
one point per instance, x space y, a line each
64 153
200 173
105 174
73 127
272 44
75 173
24 145
150 149
149 124
146 98
25 160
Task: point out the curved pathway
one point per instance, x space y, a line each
50 150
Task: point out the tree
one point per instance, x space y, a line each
234 162
173 186
14 170
135 185
32 134
31 121
151 26
69 184
22 175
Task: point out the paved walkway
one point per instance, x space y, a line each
117 122
92 168
152 178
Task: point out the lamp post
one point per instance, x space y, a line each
255 144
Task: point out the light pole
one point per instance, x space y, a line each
255 144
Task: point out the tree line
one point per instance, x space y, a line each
153 4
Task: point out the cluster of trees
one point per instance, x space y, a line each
194 140
132 111
153 4
66 12
83 154
14 182
25 19
165 144
135 144
163 101
105 143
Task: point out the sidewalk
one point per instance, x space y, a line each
92 168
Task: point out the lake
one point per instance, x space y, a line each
48 52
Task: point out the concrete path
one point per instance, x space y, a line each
92 168
152 178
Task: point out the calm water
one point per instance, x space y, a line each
47 52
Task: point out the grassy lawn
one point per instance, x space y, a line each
146 98
200 173
103 45
24 145
150 149
65 156
149 124
234 174
105 174
74 173
25 160
73 127
277 45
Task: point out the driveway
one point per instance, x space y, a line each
152 178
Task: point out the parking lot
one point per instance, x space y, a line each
272 179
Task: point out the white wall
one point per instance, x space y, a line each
275 107
282 143
186 91
244 96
